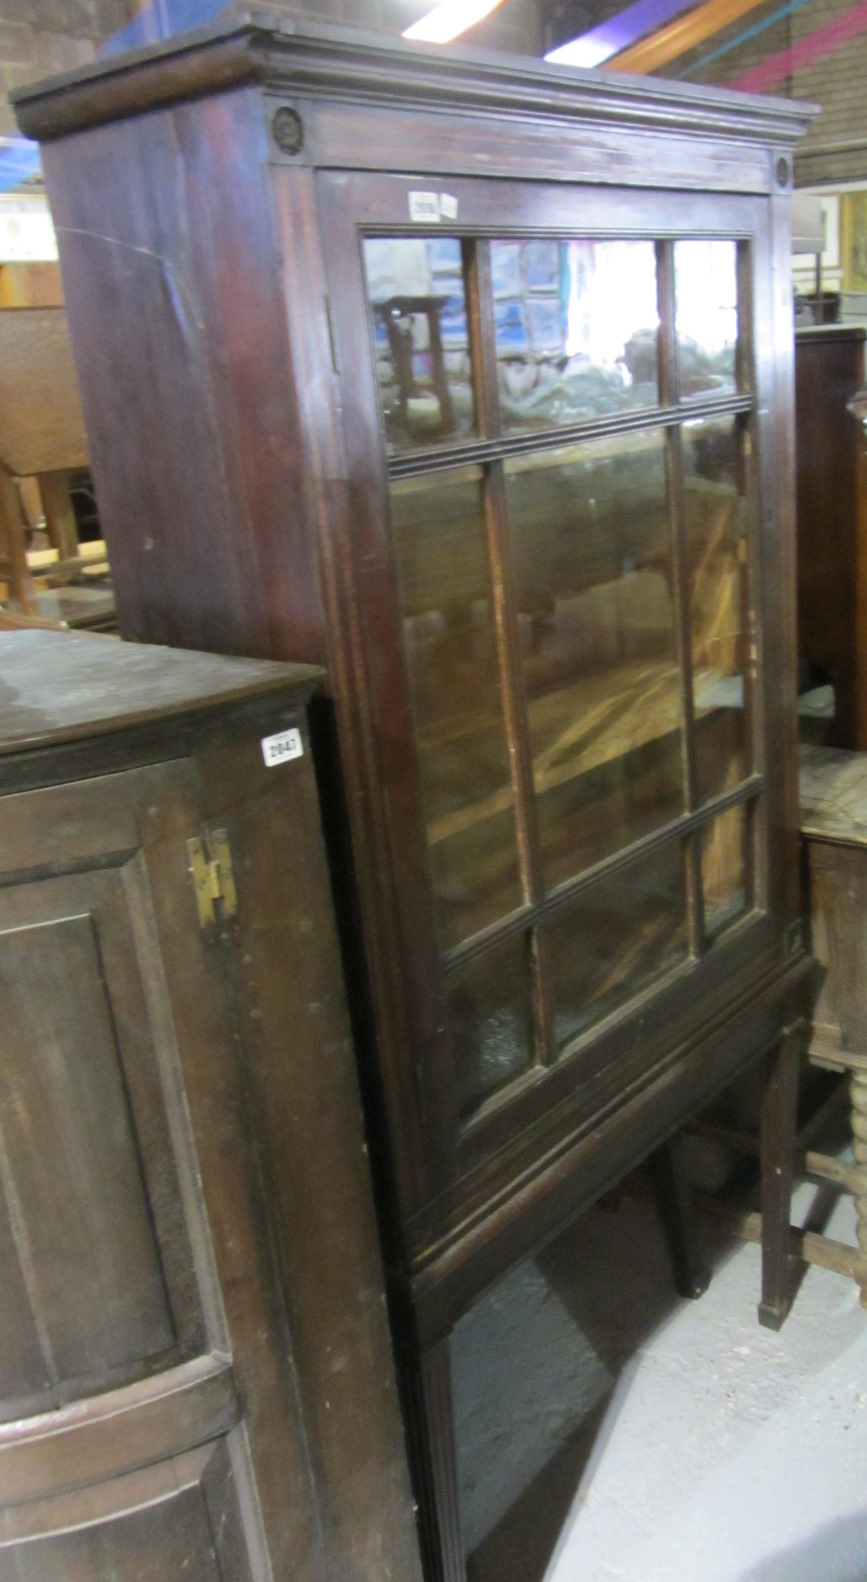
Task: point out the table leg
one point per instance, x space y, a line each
13 546
778 1131
59 513
859 1150
690 1271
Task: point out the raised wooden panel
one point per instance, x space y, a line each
70 1174
177 1521
100 1284
24 1370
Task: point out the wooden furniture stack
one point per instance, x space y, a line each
471 379
193 1339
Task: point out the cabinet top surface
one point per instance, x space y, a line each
65 686
833 786
810 334
302 56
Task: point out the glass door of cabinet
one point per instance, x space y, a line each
559 394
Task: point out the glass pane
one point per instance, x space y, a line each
491 1021
725 870
716 526
615 939
454 678
591 545
416 289
706 284
576 329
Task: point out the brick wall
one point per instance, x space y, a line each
835 148
39 37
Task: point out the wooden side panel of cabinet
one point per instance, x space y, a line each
201 264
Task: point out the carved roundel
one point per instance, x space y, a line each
783 172
287 130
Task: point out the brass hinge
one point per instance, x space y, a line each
210 864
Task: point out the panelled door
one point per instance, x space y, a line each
124 1448
556 405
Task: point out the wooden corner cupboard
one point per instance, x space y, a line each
193 1339
470 379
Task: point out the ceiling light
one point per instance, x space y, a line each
582 52
450 19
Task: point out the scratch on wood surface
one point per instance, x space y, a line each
182 304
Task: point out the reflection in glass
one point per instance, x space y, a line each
706 285
451 653
490 1020
716 527
576 327
591 538
416 289
615 939
725 870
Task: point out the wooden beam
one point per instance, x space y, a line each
683 34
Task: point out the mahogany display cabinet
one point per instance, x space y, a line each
470 378
193 1338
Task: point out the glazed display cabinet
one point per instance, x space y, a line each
471 379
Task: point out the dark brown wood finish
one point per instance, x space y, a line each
830 366
219 193
193 1340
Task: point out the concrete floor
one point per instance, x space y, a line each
610 1432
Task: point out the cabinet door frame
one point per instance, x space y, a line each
352 207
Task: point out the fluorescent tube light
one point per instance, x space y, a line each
582 52
618 33
451 18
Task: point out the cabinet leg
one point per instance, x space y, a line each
427 1395
859 1150
778 1129
690 1272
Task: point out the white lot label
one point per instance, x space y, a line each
424 208
280 748
428 208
